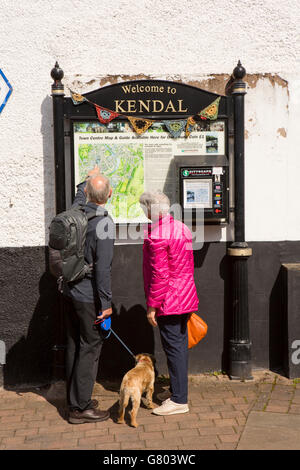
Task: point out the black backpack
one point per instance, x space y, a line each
67 235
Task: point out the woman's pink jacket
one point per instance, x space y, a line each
168 268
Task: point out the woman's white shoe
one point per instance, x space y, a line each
169 407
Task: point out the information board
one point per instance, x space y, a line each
135 164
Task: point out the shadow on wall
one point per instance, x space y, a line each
48 160
136 333
212 276
225 274
277 327
132 327
29 359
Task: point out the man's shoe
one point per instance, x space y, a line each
87 416
162 396
169 407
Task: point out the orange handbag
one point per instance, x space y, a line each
197 329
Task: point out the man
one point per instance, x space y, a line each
91 299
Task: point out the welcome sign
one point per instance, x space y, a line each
147 98
163 105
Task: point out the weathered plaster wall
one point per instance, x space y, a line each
96 42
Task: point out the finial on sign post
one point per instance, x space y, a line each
239 72
57 74
236 83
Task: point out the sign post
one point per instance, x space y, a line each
58 129
239 344
60 191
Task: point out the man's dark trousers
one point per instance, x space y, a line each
84 342
174 338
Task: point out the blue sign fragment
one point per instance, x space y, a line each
5 90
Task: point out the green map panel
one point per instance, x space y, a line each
123 164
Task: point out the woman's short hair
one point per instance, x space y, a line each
156 203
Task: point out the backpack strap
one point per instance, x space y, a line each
91 215
78 205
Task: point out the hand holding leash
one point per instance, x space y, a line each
105 325
105 314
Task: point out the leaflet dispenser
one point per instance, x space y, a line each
204 184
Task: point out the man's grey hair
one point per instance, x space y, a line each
96 195
156 203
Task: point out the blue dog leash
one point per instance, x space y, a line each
105 325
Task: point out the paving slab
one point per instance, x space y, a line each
271 431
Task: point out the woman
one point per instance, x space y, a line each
168 268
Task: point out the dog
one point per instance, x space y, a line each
138 380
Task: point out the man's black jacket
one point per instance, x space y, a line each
99 248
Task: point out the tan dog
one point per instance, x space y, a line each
138 380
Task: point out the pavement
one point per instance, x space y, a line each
224 415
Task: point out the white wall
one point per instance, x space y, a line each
172 40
